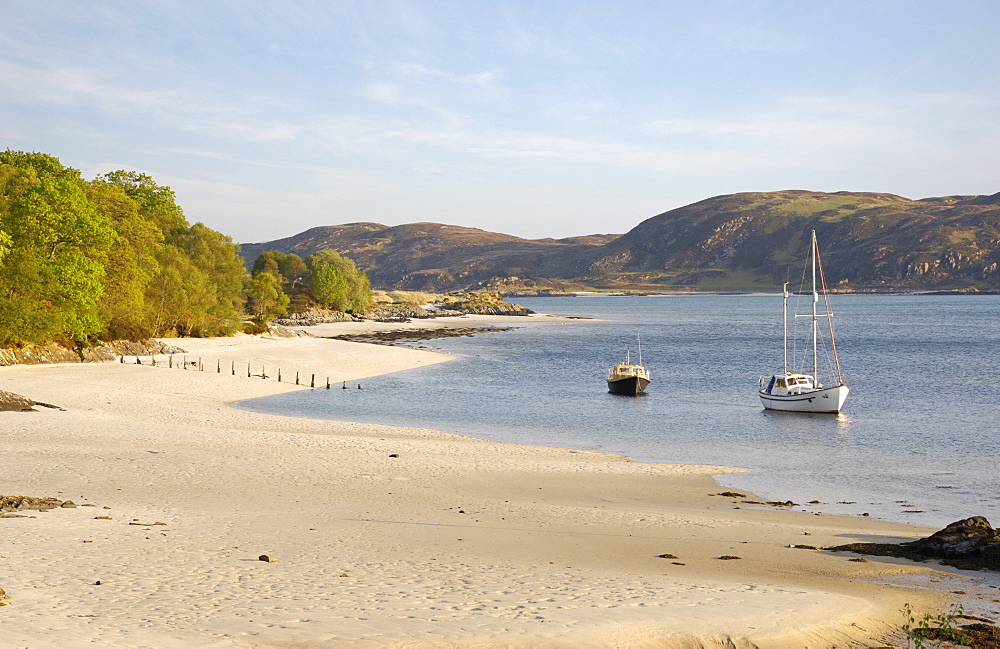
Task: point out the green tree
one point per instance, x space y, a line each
5 243
196 289
113 258
132 264
8 186
55 245
215 284
327 285
156 204
265 299
288 267
336 283
170 296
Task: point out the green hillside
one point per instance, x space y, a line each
743 241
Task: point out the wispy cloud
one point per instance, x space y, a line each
404 108
837 128
482 79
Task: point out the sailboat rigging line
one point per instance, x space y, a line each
829 318
802 355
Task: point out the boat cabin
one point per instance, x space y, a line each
783 385
626 371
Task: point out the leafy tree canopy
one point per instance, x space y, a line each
336 283
55 249
288 267
156 203
115 257
110 258
265 299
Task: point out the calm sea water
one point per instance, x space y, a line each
920 425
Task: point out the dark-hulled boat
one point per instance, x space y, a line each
627 378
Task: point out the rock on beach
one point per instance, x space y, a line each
968 544
22 503
14 402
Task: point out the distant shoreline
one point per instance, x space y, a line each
737 293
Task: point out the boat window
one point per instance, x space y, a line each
780 383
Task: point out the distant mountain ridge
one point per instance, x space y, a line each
745 241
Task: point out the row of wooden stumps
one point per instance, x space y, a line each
218 369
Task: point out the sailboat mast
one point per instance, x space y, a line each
784 322
639 342
829 318
815 321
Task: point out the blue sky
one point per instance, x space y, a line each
537 119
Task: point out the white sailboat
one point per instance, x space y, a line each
801 391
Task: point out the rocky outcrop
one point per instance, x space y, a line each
54 353
11 402
279 331
969 544
498 309
402 313
22 503
315 317
394 336
16 403
482 303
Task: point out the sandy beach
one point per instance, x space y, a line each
392 537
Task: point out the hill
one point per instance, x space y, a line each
743 241
434 256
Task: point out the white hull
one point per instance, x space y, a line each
829 400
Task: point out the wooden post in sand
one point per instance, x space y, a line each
263 374
248 370
296 378
279 375
171 361
185 362
328 383
312 381
201 366
234 368
218 366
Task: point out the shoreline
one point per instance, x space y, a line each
391 536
